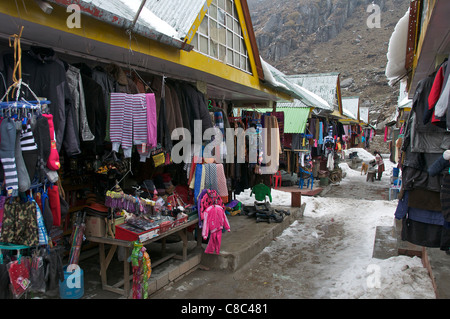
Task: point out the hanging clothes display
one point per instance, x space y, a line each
424 170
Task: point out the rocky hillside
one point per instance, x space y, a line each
319 36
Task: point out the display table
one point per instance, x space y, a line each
181 230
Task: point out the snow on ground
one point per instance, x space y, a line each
362 154
337 236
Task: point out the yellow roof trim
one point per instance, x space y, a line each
96 30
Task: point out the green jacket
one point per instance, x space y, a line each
261 191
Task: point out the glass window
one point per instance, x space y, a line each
222 53
229 39
213 12
229 56
220 35
236 27
229 22
229 6
236 42
194 41
204 44
204 26
213 49
221 16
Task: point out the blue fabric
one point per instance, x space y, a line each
416 214
198 180
320 133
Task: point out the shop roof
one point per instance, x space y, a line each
364 114
350 107
324 85
129 14
302 96
179 14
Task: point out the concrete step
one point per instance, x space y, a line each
247 239
385 245
388 243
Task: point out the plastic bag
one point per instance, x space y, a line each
19 277
37 274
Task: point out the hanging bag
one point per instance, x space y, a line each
158 157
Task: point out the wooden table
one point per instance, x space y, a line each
181 230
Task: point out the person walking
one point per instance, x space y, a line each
379 161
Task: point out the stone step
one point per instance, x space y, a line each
385 245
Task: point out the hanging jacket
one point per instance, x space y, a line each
46 76
426 138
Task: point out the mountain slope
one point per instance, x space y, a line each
320 36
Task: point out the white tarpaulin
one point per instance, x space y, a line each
396 55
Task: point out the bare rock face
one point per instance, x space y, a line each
320 36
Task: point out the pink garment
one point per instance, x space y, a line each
214 221
151 120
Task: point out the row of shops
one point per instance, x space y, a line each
418 133
124 122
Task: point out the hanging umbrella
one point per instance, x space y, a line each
77 239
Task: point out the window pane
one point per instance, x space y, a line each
243 46
213 31
229 22
236 42
212 11
236 61
229 39
230 6
242 66
194 41
203 45
204 26
229 56
213 49
236 27
222 53
222 33
221 16
221 3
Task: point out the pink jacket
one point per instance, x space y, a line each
214 220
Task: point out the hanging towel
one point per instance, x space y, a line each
320 142
152 131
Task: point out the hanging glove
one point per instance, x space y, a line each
53 160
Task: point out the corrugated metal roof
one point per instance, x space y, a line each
323 85
364 114
179 14
122 13
350 107
304 97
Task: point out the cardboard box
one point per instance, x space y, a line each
95 226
